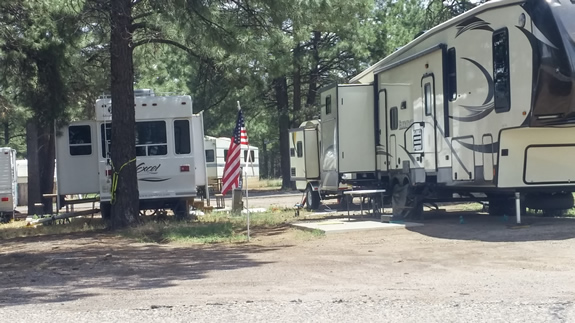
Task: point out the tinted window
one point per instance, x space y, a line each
80 139
328 104
452 74
151 139
210 156
393 118
501 71
299 149
428 98
251 156
182 137
225 155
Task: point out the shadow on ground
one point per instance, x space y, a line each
482 227
65 267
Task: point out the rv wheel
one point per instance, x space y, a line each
106 210
406 203
180 211
312 199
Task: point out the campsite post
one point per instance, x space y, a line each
246 182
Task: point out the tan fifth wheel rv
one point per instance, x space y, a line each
481 106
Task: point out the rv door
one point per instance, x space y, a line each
427 135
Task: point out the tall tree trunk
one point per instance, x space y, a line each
296 88
314 73
46 156
265 168
6 125
282 101
34 192
123 142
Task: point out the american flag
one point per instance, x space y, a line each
232 169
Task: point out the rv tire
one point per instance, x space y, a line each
406 202
179 210
106 210
312 198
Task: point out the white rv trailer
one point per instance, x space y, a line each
216 153
483 105
8 183
168 166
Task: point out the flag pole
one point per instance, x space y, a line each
246 182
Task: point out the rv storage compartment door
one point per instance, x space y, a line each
77 159
532 157
356 129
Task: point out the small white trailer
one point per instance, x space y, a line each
216 149
8 184
170 160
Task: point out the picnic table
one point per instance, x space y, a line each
365 193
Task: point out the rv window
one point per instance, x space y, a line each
182 137
151 138
452 74
501 73
428 99
210 156
403 105
225 155
393 118
252 156
299 149
328 104
80 138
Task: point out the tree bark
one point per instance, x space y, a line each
282 101
125 206
314 73
296 88
46 156
6 125
34 192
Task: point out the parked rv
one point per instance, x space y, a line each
481 106
170 160
216 155
8 184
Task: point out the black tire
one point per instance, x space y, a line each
106 210
406 202
180 212
312 199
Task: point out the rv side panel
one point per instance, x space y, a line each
311 153
77 159
199 149
329 139
8 180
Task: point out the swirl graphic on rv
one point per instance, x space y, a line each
480 111
472 23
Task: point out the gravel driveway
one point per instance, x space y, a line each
444 271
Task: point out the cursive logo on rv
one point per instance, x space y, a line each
143 168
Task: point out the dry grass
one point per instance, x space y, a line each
20 229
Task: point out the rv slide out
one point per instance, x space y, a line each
481 106
169 138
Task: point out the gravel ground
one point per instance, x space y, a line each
480 271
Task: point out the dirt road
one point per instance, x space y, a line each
444 271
